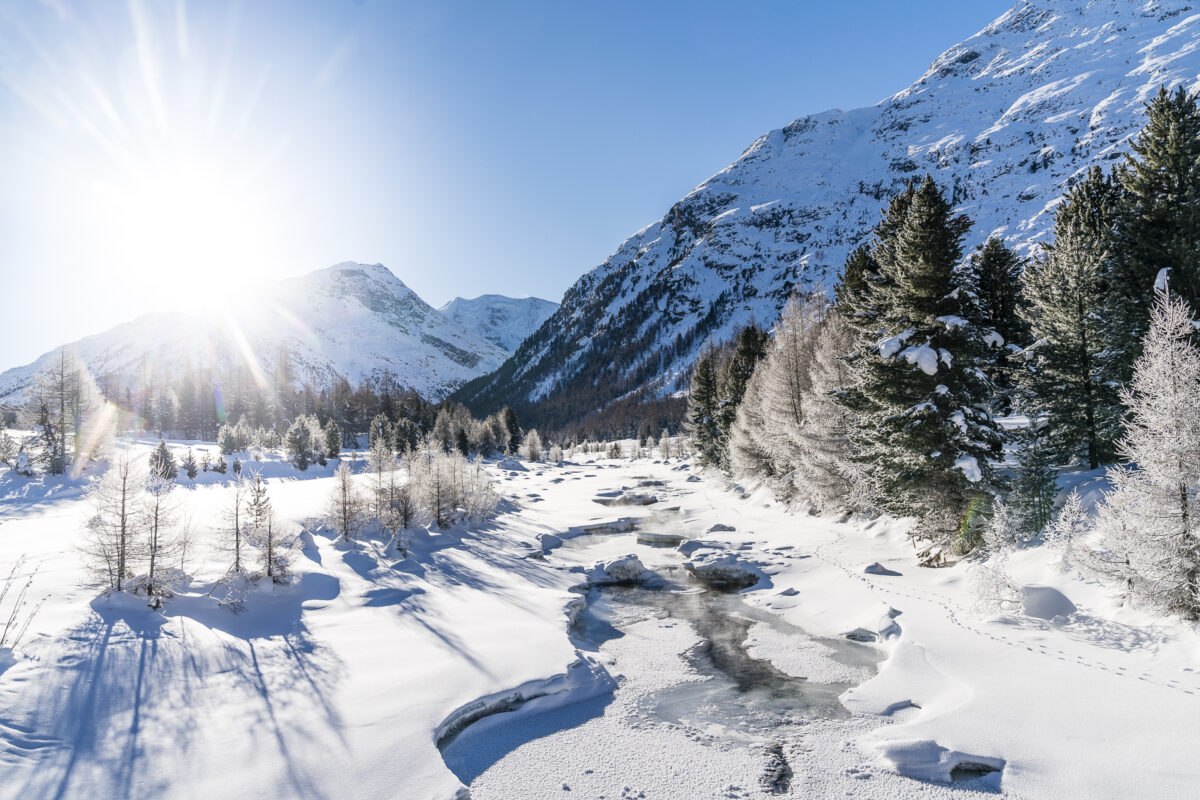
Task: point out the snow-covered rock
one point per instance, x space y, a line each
350 320
1004 120
503 321
625 569
1045 602
721 569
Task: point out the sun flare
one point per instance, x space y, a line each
190 227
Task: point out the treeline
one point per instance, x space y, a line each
887 397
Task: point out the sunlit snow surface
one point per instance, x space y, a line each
341 684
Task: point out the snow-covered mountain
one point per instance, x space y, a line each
503 321
1004 121
350 320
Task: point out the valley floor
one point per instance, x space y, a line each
480 661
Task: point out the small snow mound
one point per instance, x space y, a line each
879 569
626 499
720 528
694 478
1045 602
512 464
723 570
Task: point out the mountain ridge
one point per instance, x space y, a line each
1004 120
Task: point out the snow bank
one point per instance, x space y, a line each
625 569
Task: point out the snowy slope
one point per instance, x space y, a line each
503 321
350 320
1003 120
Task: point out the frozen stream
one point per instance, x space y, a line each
686 681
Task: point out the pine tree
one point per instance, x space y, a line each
1072 370
227 440
703 416
263 531
1035 482
513 427
189 465
1150 520
924 434
333 439
995 275
461 443
1158 219
162 463
297 444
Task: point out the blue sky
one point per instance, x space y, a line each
163 153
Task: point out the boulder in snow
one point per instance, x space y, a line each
722 528
879 569
625 569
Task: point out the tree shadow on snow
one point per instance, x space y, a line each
122 700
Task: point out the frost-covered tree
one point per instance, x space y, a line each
749 348
381 463
234 527
1066 529
163 539
924 432
1072 369
115 541
750 453
162 462
1151 518
347 512
531 445
8 448
61 398
825 472
264 532
664 445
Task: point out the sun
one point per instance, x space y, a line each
189 229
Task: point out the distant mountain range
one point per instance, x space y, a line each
1004 121
350 320
503 321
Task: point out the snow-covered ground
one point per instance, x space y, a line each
343 683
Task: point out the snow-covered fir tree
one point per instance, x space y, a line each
924 431
162 462
995 275
703 414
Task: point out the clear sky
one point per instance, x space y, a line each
158 153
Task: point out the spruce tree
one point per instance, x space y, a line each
995 273
513 426
1072 367
297 444
1158 220
162 463
924 432
333 438
703 415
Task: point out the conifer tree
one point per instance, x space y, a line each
333 439
1150 521
513 426
297 444
115 540
749 349
189 465
346 513
995 273
1158 217
1072 367
703 416
924 432
162 463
